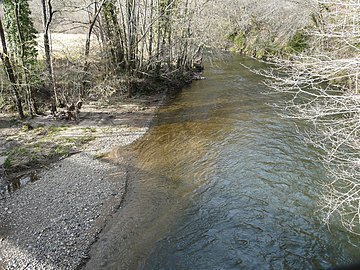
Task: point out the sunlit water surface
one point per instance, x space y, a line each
223 182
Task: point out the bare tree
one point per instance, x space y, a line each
156 36
251 27
97 10
324 85
47 15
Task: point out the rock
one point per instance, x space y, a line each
2 160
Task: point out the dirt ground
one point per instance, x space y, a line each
33 144
50 221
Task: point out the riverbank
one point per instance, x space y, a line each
51 223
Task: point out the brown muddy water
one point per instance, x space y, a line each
222 182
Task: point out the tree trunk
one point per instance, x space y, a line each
10 73
114 35
151 31
158 49
125 36
87 45
29 97
48 59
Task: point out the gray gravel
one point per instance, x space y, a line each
51 223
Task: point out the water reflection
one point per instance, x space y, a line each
16 183
256 207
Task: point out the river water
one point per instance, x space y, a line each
221 181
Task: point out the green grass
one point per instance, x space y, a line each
62 150
100 156
7 163
89 129
77 139
298 43
42 145
54 130
19 151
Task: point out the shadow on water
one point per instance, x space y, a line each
222 182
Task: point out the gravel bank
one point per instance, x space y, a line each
51 223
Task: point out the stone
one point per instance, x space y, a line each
2 160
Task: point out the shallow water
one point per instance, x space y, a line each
223 182
11 185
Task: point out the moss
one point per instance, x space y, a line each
38 146
231 36
261 43
62 150
99 156
7 163
43 146
18 155
273 51
260 54
89 129
19 151
74 140
54 130
240 41
298 43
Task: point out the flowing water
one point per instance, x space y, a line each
222 182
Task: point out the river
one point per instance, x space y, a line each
221 181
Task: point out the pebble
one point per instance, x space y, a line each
2 160
53 222
57 224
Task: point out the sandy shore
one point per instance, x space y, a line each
51 223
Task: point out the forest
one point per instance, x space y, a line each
124 44
58 55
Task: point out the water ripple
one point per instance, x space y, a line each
238 186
